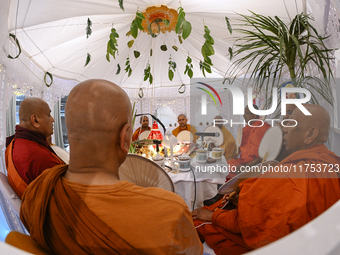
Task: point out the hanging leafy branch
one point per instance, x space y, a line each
147 73
88 28
112 45
188 68
121 6
207 50
228 25
137 24
128 67
118 69
172 68
183 27
88 59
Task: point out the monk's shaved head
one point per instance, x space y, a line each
95 107
98 119
35 115
29 106
310 129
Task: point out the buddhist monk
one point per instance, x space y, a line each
251 138
229 144
28 153
83 207
144 121
277 203
182 125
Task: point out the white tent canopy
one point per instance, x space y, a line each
52 35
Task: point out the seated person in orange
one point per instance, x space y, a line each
277 203
28 152
144 121
229 144
251 139
83 207
182 121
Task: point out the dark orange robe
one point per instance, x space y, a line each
251 139
275 204
136 133
60 222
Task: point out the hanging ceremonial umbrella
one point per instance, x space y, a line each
53 35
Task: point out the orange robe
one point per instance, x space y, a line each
136 133
251 139
229 144
65 217
188 127
275 204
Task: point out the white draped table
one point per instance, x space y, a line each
206 183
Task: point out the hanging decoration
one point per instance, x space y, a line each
17 43
51 78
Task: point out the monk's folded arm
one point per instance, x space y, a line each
227 219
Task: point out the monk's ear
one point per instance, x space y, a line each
125 138
35 120
312 134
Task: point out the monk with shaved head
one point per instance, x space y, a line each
84 208
182 122
284 197
28 152
144 122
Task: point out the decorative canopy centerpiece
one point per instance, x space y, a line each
161 19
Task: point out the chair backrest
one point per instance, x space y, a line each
2 161
9 194
25 243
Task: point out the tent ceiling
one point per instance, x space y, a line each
52 34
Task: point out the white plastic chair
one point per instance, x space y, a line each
9 194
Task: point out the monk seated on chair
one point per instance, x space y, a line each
229 144
252 135
182 121
144 121
277 203
28 152
83 207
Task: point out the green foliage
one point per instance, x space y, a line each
118 69
166 22
207 50
228 25
183 27
128 67
172 69
88 28
112 45
188 68
175 48
121 6
147 73
137 24
136 53
163 47
130 43
270 46
88 59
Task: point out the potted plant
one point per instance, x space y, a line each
270 48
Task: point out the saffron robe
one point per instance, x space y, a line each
26 159
275 204
71 218
188 127
138 132
251 139
229 144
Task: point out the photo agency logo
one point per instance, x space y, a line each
215 88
